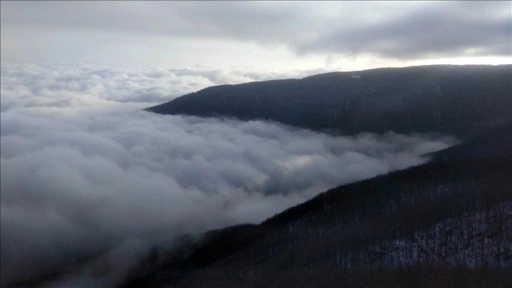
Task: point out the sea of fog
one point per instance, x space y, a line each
86 174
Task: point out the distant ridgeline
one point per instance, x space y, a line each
458 100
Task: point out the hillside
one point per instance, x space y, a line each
442 224
496 142
458 100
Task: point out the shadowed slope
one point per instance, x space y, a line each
445 222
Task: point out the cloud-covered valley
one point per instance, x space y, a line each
85 171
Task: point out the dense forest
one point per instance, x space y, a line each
458 100
447 223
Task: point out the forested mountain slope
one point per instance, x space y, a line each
459 100
442 224
496 142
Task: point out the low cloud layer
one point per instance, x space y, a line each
85 172
31 85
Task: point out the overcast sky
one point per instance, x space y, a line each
258 35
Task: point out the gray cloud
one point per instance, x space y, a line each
462 28
84 174
391 30
86 85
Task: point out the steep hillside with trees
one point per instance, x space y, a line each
446 223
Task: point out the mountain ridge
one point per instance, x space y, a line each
460 100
